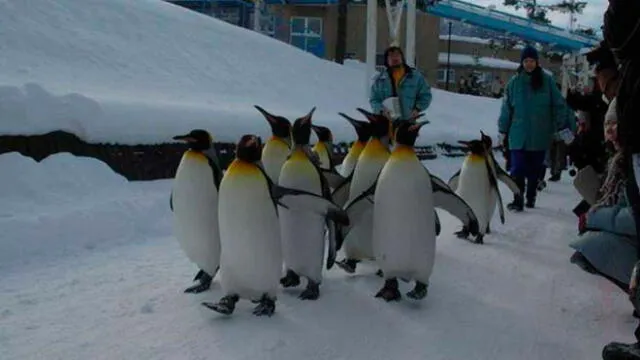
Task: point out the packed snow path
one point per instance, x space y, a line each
120 297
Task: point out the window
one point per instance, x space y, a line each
442 75
306 34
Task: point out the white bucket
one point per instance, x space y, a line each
392 105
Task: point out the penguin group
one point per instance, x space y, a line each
282 210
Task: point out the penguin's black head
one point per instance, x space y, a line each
280 126
302 129
486 139
363 128
406 132
324 133
249 148
197 139
380 125
476 147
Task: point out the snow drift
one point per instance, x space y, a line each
143 71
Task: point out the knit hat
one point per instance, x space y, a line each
529 52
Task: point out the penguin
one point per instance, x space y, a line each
359 206
251 257
277 148
303 233
340 193
497 174
194 203
324 151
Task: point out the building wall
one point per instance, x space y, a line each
427 32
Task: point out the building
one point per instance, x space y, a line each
484 58
311 25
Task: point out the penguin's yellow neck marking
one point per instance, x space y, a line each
298 155
241 167
403 152
376 149
278 141
196 155
320 147
474 158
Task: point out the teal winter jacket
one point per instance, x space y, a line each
413 91
532 118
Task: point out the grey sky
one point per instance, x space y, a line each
591 17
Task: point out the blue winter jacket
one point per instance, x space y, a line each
532 118
617 219
413 91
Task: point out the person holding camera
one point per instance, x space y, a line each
533 111
400 91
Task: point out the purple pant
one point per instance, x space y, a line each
527 165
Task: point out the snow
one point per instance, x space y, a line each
468 60
102 278
466 39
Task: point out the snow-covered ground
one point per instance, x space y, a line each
142 71
90 270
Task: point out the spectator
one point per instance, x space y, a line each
400 81
533 110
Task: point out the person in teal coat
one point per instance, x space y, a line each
402 81
533 112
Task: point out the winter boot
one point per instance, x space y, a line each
518 200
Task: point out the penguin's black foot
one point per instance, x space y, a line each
204 285
380 273
620 351
462 234
290 280
225 306
389 291
419 292
348 265
488 231
312 292
266 306
479 239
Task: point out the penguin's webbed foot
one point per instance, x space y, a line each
312 292
291 279
479 239
204 285
266 306
488 231
462 234
419 292
380 273
348 265
390 291
225 306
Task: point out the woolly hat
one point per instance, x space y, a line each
529 52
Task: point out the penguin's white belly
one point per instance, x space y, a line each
274 155
348 164
404 239
474 187
357 244
303 233
195 212
251 258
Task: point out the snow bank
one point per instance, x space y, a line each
466 39
66 203
143 71
468 60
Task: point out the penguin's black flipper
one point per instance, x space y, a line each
437 220
333 178
453 181
493 181
171 201
332 235
340 194
505 178
359 207
440 182
447 200
307 201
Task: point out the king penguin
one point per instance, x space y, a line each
359 206
323 148
194 202
277 148
340 193
404 234
482 150
303 233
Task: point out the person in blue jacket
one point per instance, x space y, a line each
533 111
402 81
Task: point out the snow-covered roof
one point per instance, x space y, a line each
467 39
487 62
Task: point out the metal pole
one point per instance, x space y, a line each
256 15
372 33
446 76
410 51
